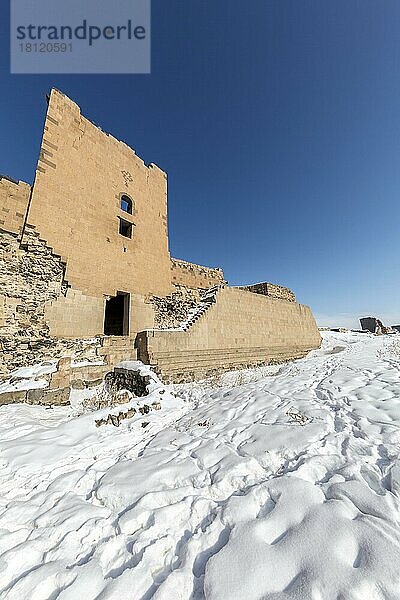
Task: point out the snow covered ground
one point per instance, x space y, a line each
275 483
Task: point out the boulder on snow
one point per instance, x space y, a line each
374 325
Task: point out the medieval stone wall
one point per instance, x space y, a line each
81 174
271 289
75 315
241 329
195 276
14 198
29 277
58 288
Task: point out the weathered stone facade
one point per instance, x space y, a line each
14 199
239 329
272 290
194 276
30 276
81 175
31 279
174 309
84 254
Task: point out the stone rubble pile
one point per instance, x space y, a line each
126 383
31 275
174 309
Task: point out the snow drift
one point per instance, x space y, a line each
285 485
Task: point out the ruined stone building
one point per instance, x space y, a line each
84 253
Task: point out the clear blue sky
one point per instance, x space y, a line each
278 123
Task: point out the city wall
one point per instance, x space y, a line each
62 255
241 329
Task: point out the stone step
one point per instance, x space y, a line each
103 351
115 359
117 341
207 300
116 356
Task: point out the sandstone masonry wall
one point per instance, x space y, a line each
195 276
32 284
75 315
239 330
271 289
14 198
81 174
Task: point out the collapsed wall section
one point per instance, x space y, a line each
172 310
31 285
272 290
30 276
241 329
14 200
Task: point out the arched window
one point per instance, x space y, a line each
126 204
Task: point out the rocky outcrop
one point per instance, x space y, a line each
374 325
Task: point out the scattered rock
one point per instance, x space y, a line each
117 419
298 417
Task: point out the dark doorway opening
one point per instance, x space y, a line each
116 318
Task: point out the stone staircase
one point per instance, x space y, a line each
209 298
115 349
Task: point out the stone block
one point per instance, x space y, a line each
56 397
12 397
60 380
64 364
